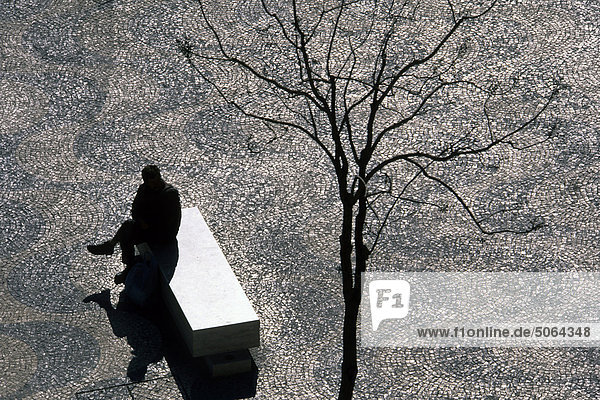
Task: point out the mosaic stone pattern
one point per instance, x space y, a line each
92 90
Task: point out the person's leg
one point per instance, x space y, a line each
127 236
106 248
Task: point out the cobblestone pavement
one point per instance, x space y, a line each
91 90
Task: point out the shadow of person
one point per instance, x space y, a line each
152 333
142 335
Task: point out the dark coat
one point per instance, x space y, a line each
161 210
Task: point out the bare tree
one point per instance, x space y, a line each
377 85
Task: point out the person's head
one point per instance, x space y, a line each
152 178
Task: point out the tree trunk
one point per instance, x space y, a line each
349 362
351 306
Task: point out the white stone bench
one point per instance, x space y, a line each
204 297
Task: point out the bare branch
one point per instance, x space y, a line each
261 117
487 117
417 110
534 225
377 77
253 150
434 52
286 124
245 66
280 23
346 119
412 115
387 215
320 99
315 28
452 10
549 136
460 151
332 39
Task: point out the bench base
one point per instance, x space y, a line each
231 363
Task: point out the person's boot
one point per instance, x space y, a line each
106 248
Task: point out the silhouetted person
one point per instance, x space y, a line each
156 216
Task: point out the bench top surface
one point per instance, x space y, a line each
204 285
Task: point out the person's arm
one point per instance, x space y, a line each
136 209
172 213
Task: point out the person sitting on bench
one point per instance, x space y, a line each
156 216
